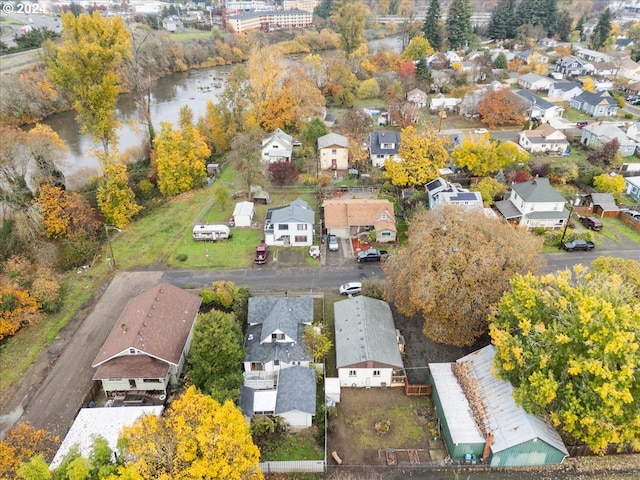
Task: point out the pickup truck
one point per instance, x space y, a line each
578 245
371 255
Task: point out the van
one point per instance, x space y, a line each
591 223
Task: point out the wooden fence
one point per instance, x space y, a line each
415 390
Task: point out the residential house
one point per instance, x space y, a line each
441 192
440 103
290 225
148 345
593 56
277 147
543 139
629 69
453 57
548 42
525 55
633 88
243 214
277 359
624 43
606 70
368 345
507 53
603 204
632 187
596 104
333 150
437 61
539 107
574 67
599 133
534 204
535 82
633 131
383 146
469 104
509 436
91 423
564 91
417 97
348 218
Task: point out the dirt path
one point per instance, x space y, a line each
50 394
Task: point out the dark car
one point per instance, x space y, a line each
591 223
581 124
371 255
261 254
578 244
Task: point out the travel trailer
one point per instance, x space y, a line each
211 233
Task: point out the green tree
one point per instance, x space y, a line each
490 189
503 21
602 30
195 438
568 343
221 195
369 89
312 131
35 469
216 355
482 155
417 49
454 269
432 27
423 155
114 196
564 25
501 61
350 21
245 156
458 24
316 342
87 65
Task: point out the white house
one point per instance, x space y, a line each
564 91
291 225
543 139
277 147
147 347
367 343
383 146
440 102
573 66
417 97
334 152
243 214
535 82
534 204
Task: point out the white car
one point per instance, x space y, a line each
334 245
314 251
350 288
481 131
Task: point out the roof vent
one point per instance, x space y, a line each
250 337
158 298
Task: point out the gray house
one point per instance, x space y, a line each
564 91
596 104
383 146
597 134
367 343
497 427
574 66
539 107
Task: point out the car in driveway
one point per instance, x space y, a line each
372 255
350 288
334 244
591 223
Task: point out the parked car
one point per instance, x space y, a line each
334 245
350 288
582 124
261 254
371 255
578 245
591 223
296 143
633 214
480 131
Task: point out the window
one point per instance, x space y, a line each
132 351
276 363
300 238
283 226
352 373
303 226
132 384
386 234
334 151
376 373
151 380
277 336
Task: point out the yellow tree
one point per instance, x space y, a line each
215 127
21 443
609 184
87 64
114 196
264 67
196 438
422 157
454 269
482 155
589 85
180 156
418 48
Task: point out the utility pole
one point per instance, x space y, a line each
112 262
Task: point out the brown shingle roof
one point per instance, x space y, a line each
132 366
156 323
357 212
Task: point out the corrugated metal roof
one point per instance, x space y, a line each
462 427
511 424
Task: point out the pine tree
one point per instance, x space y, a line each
602 30
432 28
458 26
564 25
501 61
503 24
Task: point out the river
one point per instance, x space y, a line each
171 93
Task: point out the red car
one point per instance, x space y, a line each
261 254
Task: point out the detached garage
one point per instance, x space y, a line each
243 214
491 428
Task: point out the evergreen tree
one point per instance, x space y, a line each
323 9
580 27
432 28
602 30
564 25
503 22
458 24
501 61
423 71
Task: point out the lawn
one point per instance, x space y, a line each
297 446
191 34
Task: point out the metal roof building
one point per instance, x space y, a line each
519 438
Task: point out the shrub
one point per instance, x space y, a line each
182 257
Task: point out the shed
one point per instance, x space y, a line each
519 438
604 204
243 214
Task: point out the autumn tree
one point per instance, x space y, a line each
501 107
568 343
627 269
606 154
216 355
213 127
114 196
482 155
180 157
18 308
350 21
608 183
589 85
432 27
195 438
236 101
21 443
422 157
491 190
87 65
246 155
66 214
316 342
408 27
418 48
282 173
454 269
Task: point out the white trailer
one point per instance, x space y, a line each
210 233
